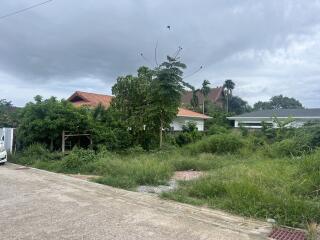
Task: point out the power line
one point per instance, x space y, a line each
198 70
24 9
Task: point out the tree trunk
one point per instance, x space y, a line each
227 103
51 144
160 134
203 106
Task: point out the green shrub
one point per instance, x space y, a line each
290 147
220 143
216 129
183 138
77 159
188 135
34 153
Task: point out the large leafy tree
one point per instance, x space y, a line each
132 101
238 106
8 114
228 87
149 102
166 90
278 102
44 120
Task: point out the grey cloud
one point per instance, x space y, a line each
68 40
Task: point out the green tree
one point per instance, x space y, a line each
133 100
228 87
109 130
238 106
205 90
8 114
166 90
194 100
43 121
278 102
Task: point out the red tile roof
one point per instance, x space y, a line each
90 99
79 98
188 113
215 95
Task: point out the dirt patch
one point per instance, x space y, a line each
172 184
187 175
83 177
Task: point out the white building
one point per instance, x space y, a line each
185 116
254 119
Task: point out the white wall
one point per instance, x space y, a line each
7 133
179 122
294 124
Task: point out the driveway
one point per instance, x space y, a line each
36 204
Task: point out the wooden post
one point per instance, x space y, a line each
63 142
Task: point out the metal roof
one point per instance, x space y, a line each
281 113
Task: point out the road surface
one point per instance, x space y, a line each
36 204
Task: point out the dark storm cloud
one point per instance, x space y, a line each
99 40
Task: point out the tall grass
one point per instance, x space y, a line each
257 188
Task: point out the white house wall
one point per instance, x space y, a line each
294 124
7 135
179 122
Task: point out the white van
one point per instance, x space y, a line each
3 152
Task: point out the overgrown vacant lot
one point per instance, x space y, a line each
243 175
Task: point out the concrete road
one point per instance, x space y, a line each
36 204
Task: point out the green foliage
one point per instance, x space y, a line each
166 90
255 188
219 116
228 87
188 135
77 159
132 102
35 153
109 130
290 147
278 102
238 106
43 122
149 102
309 176
216 129
220 143
8 114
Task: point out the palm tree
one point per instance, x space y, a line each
205 90
228 86
194 100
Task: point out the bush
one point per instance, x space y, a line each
290 147
77 159
216 129
188 135
220 143
35 153
183 138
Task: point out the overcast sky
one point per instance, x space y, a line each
266 47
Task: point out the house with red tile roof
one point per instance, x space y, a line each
184 116
216 96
